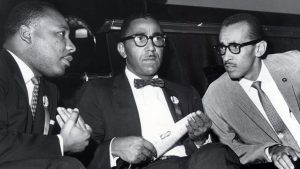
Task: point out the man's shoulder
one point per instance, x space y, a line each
6 69
220 83
289 56
221 88
100 83
288 61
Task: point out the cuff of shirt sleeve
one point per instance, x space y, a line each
268 153
113 160
61 143
199 144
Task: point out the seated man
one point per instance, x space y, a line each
125 114
254 105
36 45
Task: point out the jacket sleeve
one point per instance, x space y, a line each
91 111
248 153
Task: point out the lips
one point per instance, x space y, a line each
67 59
229 66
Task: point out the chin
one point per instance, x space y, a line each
234 76
57 73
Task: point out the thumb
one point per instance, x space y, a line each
71 121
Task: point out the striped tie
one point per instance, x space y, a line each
35 92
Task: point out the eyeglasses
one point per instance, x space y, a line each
234 48
141 40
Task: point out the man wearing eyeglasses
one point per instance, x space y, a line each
254 105
127 111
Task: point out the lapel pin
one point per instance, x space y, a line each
284 79
45 101
174 100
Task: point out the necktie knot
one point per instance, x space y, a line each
256 85
35 80
157 82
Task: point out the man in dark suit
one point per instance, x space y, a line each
37 45
126 116
239 109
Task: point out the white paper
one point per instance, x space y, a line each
167 138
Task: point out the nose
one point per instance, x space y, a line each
70 46
227 55
150 46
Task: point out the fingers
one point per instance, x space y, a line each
282 156
284 162
82 123
195 121
199 120
149 149
60 121
88 128
293 155
71 121
63 113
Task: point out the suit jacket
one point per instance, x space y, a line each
20 136
238 122
108 106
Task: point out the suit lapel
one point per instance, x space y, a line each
175 111
283 82
245 104
17 75
125 106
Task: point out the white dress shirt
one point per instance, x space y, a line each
269 86
27 75
153 112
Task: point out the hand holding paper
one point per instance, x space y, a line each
198 125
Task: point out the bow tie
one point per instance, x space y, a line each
157 82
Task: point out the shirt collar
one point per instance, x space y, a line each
26 72
264 76
131 76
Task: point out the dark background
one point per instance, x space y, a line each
189 55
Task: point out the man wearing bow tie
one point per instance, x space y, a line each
127 110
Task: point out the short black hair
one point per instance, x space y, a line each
24 14
255 31
127 22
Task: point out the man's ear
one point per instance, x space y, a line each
25 33
121 50
261 48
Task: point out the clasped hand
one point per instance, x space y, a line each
282 156
133 149
74 131
197 126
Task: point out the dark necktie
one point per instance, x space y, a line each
157 82
35 92
282 131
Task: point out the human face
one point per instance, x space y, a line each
51 47
143 61
242 65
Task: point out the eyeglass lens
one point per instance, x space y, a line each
234 48
142 40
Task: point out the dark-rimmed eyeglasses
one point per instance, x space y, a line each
234 48
141 40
